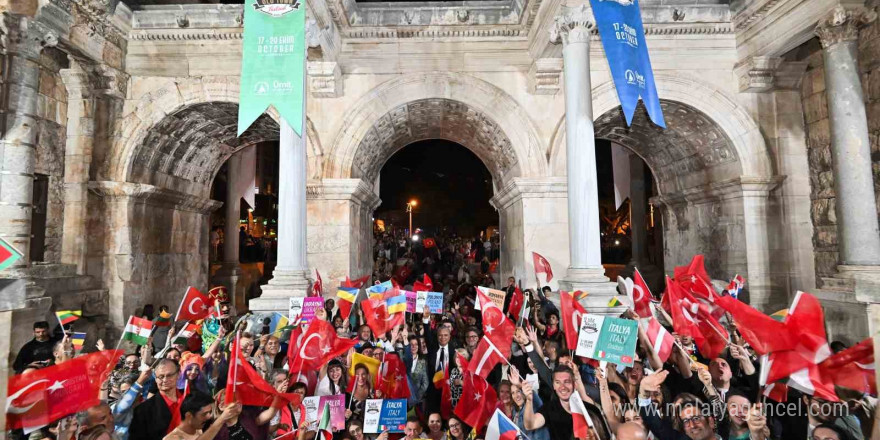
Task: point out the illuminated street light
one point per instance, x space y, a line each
416 237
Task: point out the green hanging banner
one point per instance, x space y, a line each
272 62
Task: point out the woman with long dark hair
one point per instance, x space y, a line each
331 379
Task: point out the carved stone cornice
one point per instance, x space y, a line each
762 74
573 25
152 195
843 24
325 79
545 76
753 13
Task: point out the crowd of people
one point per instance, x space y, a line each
175 390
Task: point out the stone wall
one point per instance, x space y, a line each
822 193
51 138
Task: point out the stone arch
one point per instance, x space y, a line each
178 136
733 146
424 106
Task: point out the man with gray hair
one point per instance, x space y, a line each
96 423
160 414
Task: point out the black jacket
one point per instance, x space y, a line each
150 420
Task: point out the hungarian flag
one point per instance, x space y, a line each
392 378
661 341
246 386
571 318
429 243
67 316
318 286
358 283
138 330
163 320
346 297
691 318
319 345
426 285
640 295
516 303
762 332
477 402
378 318
580 418
195 306
182 337
43 396
853 368
542 266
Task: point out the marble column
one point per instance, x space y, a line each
290 275
858 233
18 140
637 211
585 272
230 269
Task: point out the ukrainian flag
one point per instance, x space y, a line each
378 291
396 304
348 294
278 322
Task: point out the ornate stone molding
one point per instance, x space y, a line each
25 37
325 79
733 188
545 76
529 187
573 25
355 190
843 24
762 74
752 14
153 195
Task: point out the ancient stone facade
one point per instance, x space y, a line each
135 114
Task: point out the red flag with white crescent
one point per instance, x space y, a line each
246 386
477 402
542 265
496 327
195 306
46 395
319 345
641 295
571 318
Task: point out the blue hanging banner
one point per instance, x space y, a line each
623 37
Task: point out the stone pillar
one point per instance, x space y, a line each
18 140
230 270
290 276
857 225
585 271
637 211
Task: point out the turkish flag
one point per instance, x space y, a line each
762 332
318 287
485 357
694 279
429 243
516 302
378 319
195 306
402 274
392 378
43 396
426 285
358 283
542 265
853 368
693 319
318 345
641 295
496 327
477 402
571 318
246 386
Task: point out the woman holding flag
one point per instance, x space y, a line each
361 390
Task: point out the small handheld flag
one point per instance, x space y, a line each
163 320
78 339
138 330
67 316
614 302
184 334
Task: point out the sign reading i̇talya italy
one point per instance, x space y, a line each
608 339
272 64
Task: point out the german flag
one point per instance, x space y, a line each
67 316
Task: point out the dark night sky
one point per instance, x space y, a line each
451 184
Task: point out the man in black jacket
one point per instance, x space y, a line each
440 351
160 414
38 349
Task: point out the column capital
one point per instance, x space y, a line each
842 24
24 36
573 25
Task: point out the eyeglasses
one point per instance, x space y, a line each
160 378
693 420
454 425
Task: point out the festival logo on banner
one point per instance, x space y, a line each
273 61
623 37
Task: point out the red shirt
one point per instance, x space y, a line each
174 407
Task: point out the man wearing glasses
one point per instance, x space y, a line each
160 414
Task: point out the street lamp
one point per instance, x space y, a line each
409 209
